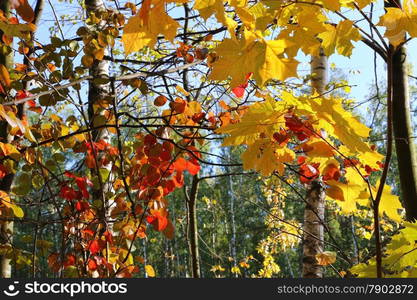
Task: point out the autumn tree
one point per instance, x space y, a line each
127 107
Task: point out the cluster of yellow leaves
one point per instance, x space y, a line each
207 8
151 21
400 259
256 130
282 234
7 202
338 136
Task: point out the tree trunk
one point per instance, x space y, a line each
191 199
98 92
403 129
6 227
403 133
315 198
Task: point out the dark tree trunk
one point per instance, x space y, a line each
403 129
192 230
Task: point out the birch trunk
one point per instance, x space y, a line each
315 198
97 93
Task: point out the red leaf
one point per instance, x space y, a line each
331 172
3 171
109 237
70 260
68 193
158 221
180 164
82 205
150 140
92 265
240 90
193 167
82 185
308 173
94 247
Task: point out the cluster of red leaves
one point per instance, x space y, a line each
302 129
158 220
22 94
81 195
93 149
161 170
94 245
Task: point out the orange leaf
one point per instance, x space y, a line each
24 10
94 247
169 230
4 76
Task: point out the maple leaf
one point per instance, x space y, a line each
346 194
266 157
340 123
399 21
339 38
151 21
252 53
261 118
326 258
207 8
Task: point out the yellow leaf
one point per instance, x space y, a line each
4 76
346 194
18 212
261 118
339 38
399 21
10 150
207 8
151 21
340 123
266 157
318 149
235 270
181 90
150 271
326 258
5 199
253 54
390 204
